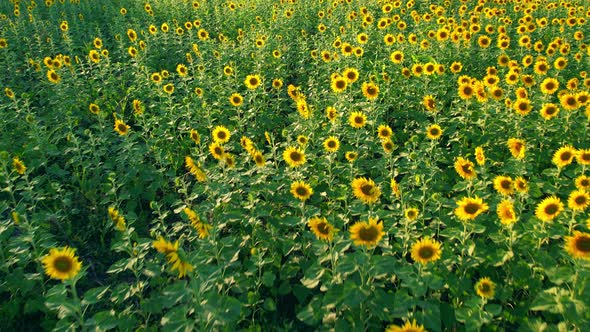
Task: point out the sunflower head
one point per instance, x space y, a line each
469 208
578 245
426 250
549 208
366 190
367 233
61 263
294 156
485 288
301 190
322 229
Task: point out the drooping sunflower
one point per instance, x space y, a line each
411 213
331 144
357 119
469 208
370 90
549 208
366 190
61 263
164 246
195 169
322 229
505 211
366 233
121 127
301 190
429 103
480 156
465 168
18 165
221 134
236 99
564 156
258 158
217 151
578 245
384 132
426 250
179 264
409 326
521 185
517 147
485 288
252 81
583 157
195 136
578 200
294 156
504 185
434 132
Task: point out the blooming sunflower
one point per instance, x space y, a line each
505 211
583 157
485 288
258 158
411 213
387 145
569 101
429 103
195 137
61 263
301 190
480 156
370 90
578 200
407 327
464 168
351 75
221 134
549 208
521 185
236 99
53 77
578 245
18 166
522 106
549 111
564 156
504 185
216 150
384 132
466 91
357 119
121 127
549 85
582 182
366 190
397 57
434 132
350 156
426 250
294 156
331 144
366 233
338 84
322 229
469 208
252 81
517 147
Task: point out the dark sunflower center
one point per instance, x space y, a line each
471 208
358 120
585 183
331 144
467 90
580 200
63 264
583 244
506 184
367 189
388 145
323 228
550 86
253 81
368 234
236 100
301 191
426 252
218 150
485 287
434 131
411 214
523 106
571 101
551 209
122 127
351 75
371 91
384 133
221 135
550 111
398 57
585 156
295 156
566 156
466 169
258 159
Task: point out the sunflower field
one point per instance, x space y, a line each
287 165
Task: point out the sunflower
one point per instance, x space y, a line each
466 91
504 185
331 144
277 83
480 156
578 245
18 166
221 134
217 151
94 56
387 145
236 99
194 169
53 77
582 182
569 101
549 208
156 77
411 213
521 185
181 70
252 81
505 211
338 84
9 93
137 107
302 140
456 67
370 90
258 158
322 229
294 156
121 127
407 327
434 132
195 137
164 246
429 103
350 156
522 106
517 147
357 119
366 190
496 93
583 157
61 263
366 233
578 200
179 264
549 111
301 190
426 250
351 75
469 208
464 168
397 57
485 288
549 85
384 132
564 156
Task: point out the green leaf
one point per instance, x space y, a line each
268 278
94 295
